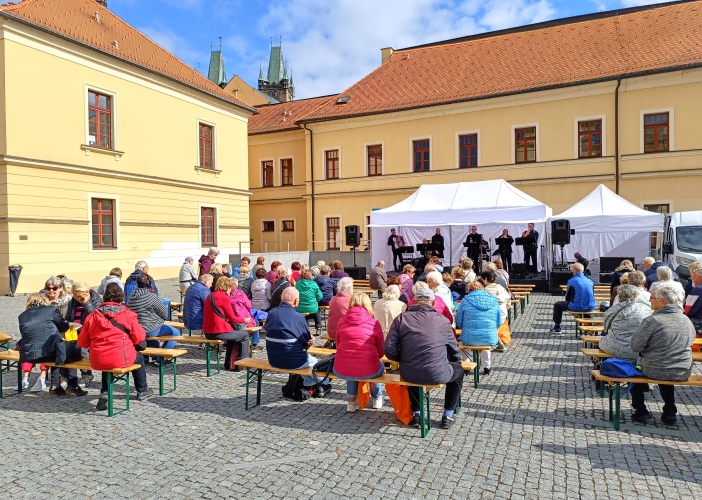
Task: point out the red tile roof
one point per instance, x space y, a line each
75 20
558 53
283 116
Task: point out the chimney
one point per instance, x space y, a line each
385 53
102 2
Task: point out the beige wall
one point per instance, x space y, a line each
48 178
245 92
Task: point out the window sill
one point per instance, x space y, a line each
207 170
94 149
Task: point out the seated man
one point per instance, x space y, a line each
194 303
580 297
689 285
651 271
287 340
663 341
378 277
429 268
422 341
693 303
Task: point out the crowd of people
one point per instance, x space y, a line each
652 320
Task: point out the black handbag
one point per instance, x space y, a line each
325 364
67 352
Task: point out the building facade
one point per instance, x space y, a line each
574 117
128 154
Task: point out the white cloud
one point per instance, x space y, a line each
331 45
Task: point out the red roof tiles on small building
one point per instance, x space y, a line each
283 116
107 33
582 50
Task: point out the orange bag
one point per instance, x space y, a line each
363 394
504 334
399 397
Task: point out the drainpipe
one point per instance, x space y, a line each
311 179
616 135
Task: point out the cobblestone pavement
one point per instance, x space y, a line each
535 428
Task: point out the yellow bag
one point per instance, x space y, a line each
70 335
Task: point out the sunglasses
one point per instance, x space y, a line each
52 288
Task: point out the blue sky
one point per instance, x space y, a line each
329 44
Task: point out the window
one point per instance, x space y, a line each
659 208
207 226
590 139
331 161
375 159
525 145
267 167
333 233
206 135
656 133
421 155
99 120
268 226
288 225
468 151
286 169
103 223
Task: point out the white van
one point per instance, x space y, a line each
683 241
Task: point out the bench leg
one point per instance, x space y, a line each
609 392
259 377
617 405
19 378
476 372
208 352
422 418
111 382
250 375
521 304
161 376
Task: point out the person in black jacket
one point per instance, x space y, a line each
279 285
84 302
326 285
504 246
41 326
422 356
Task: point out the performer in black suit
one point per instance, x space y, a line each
530 251
396 255
437 239
473 241
504 243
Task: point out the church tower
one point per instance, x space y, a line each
102 2
277 84
216 71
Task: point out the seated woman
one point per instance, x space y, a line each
84 302
310 295
57 295
359 347
339 305
325 284
338 270
621 321
479 317
41 326
217 271
244 279
295 268
501 270
467 264
503 299
242 308
261 291
437 285
219 320
458 286
152 312
111 332
439 303
389 307
395 280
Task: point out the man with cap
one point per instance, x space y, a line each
394 245
422 341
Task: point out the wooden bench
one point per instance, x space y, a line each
255 369
476 350
177 306
614 385
589 321
595 339
590 329
324 313
164 355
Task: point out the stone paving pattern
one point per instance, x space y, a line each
535 428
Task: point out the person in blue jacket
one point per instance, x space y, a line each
194 303
479 317
130 285
580 297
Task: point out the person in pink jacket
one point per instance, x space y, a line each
359 347
439 304
338 305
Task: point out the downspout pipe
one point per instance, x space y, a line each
311 180
616 136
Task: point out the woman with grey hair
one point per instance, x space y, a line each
339 304
188 275
56 293
621 321
388 308
279 285
665 278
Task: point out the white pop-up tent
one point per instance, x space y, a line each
490 205
606 225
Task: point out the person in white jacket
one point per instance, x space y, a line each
665 278
188 274
437 285
389 307
503 299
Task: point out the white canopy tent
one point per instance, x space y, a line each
606 225
490 205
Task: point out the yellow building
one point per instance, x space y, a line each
554 108
111 149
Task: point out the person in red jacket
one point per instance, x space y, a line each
439 304
359 347
219 319
112 346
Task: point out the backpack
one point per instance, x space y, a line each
620 368
295 389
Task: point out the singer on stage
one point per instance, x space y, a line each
473 246
504 245
531 250
437 239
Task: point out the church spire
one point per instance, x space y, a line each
216 72
276 82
